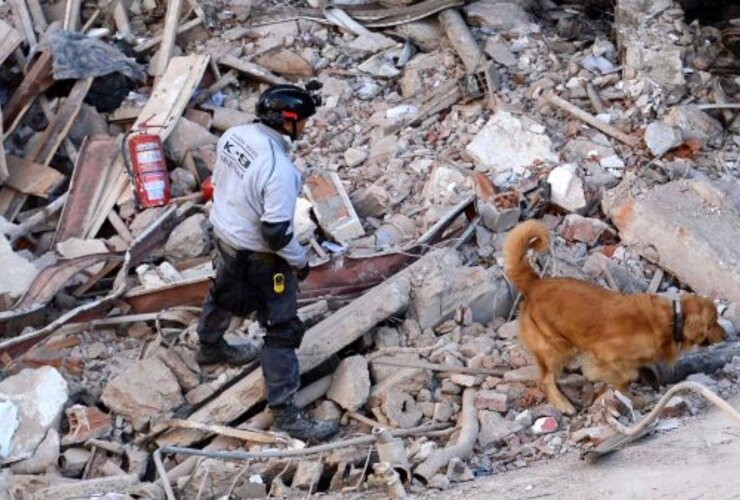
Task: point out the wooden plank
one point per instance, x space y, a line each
118 181
72 15
167 47
156 40
172 93
32 178
11 202
3 165
69 148
21 12
38 17
91 172
59 127
254 71
10 39
32 85
123 25
125 114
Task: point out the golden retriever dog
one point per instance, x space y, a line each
616 334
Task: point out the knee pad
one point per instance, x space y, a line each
286 335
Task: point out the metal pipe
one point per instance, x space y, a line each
704 361
462 448
163 475
261 455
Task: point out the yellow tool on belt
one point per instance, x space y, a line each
278 283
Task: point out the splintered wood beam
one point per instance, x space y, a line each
11 200
37 78
24 22
167 47
37 15
72 15
156 40
3 164
10 40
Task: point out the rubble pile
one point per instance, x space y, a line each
445 123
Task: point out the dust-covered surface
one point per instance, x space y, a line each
639 185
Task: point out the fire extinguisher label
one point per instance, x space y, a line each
151 156
154 189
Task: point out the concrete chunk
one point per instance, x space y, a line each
147 389
494 428
442 291
695 240
500 16
332 207
567 188
185 136
39 397
16 275
585 229
505 144
661 138
694 123
189 239
350 385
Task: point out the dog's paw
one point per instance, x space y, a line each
566 408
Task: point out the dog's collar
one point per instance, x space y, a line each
677 321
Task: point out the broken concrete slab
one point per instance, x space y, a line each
146 389
190 239
44 458
332 207
506 143
350 386
187 135
78 247
442 291
500 17
585 229
661 138
695 240
39 396
567 188
500 53
694 123
16 275
284 62
494 428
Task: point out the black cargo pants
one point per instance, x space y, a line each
246 282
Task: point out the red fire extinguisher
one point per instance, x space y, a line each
148 169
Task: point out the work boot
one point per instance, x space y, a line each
223 352
289 418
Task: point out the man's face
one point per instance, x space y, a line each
299 128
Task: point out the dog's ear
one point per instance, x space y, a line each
700 321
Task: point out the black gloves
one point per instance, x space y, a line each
302 273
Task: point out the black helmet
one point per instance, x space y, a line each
282 104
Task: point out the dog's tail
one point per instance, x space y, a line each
530 234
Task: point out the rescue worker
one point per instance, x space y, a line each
259 260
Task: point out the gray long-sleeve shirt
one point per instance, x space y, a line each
255 181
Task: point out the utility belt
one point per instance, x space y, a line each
242 253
